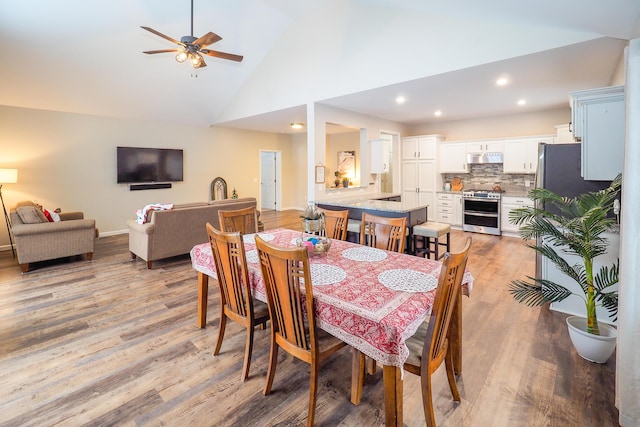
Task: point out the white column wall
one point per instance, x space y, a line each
628 350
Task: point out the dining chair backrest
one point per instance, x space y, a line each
243 220
383 233
231 267
435 346
449 286
287 281
236 301
286 273
335 223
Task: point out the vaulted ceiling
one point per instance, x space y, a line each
86 57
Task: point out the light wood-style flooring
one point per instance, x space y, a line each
109 342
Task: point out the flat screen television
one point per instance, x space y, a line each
142 165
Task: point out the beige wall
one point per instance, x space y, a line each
535 123
69 161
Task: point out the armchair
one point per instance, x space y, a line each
43 240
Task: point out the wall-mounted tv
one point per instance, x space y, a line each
142 165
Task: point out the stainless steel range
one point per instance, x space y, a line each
481 211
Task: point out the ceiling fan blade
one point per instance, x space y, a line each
207 39
161 51
151 30
223 55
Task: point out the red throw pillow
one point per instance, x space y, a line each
48 215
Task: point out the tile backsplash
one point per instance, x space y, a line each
485 176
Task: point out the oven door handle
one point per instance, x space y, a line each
481 214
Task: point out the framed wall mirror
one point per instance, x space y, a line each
218 189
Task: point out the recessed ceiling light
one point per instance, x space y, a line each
297 125
438 113
400 100
522 101
502 81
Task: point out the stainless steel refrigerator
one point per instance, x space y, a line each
559 171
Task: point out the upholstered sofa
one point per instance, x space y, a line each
37 239
175 231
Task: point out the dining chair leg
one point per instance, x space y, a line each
427 401
313 393
271 370
247 354
221 328
357 375
448 363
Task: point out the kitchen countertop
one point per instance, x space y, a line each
376 205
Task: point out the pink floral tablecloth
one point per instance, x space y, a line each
358 309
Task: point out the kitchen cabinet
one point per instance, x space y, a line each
598 122
449 209
418 183
521 155
508 204
485 147
453 158
420 147
380 155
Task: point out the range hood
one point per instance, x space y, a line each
474 158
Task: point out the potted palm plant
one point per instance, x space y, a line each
577 230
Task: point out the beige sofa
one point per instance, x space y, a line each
40 241
174 232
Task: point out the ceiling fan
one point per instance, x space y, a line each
192 48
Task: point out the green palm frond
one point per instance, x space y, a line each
537 293
606 278
576 229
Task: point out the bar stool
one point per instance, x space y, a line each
353 226
432 230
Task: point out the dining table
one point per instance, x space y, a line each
372 299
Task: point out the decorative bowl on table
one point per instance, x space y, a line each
315 245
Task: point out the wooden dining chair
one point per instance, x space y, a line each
383 233
429 346
291 309
236 301
243 220
335 223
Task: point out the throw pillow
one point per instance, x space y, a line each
31 215
51 215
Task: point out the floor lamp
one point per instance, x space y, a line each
8 176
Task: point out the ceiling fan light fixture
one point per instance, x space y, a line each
196 60
181 56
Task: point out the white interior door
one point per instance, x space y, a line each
268 180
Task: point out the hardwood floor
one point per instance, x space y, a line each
109 342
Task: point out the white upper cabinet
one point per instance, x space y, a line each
453 158
420 147
521 155
380 155
485 147
598 122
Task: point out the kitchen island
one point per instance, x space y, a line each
416 213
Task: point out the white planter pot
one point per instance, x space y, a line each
594 348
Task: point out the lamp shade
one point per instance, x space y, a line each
8 176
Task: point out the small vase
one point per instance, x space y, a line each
312 225
345 184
